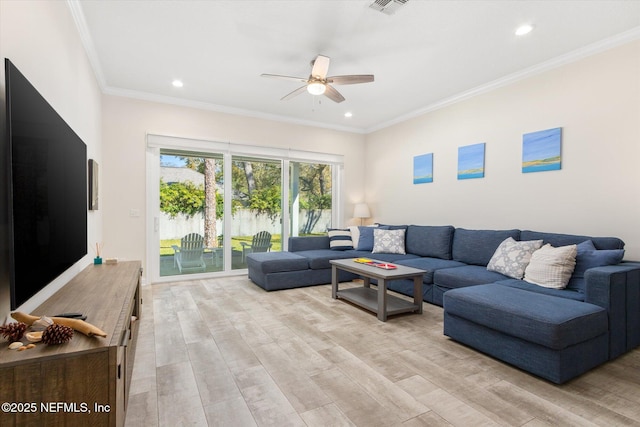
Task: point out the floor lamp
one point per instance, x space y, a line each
361 211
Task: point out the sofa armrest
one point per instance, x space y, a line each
616 288
297 244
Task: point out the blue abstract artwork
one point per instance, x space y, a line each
541 150
423 168
471 161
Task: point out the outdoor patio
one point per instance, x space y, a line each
213 263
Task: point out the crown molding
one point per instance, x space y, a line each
151 97
87 41
576 55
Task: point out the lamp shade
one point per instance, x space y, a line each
361 210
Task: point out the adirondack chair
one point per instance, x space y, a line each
261 242
189 256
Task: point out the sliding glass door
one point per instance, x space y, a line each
191 213
310 198
211 204
256 207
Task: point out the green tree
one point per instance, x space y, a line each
315 192
207 167
256 186
184 198
188 198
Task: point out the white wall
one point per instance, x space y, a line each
597 103
126 123
41 39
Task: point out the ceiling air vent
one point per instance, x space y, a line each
387 7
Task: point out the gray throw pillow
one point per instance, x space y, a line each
388 241
512 257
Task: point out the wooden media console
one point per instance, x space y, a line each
86 380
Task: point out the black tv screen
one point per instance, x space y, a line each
47 190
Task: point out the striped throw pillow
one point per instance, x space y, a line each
339 240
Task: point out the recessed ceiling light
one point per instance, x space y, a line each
177 83
524 29
348 114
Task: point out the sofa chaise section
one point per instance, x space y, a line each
554 338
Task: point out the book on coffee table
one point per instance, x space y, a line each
374 263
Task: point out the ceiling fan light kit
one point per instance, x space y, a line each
319 84
316 88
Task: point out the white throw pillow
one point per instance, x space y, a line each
388 242
551 267
355 235
512 257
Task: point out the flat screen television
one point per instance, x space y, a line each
47 190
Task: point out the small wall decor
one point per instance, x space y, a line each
471 161
423 168
93 185
541 150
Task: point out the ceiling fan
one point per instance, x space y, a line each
319 84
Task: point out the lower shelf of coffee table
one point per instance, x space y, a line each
367 298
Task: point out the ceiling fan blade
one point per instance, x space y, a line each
320 67
294 93
333 94
278 76
350 80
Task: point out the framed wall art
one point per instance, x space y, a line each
423 169
541 151
93 185
471 161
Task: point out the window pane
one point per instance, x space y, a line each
256 208
310 198
191 213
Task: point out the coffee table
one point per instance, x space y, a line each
377 301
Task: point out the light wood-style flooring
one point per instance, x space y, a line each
224 352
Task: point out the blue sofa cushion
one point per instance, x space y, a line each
589 257
430 265
274 262
476 247
319 258
392 227
526 286
552 322
468 275
365 241
430 241
556 239
308 243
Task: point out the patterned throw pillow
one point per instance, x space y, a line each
551 267
512 257
339 240
388 241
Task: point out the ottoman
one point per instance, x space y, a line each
551 337
277 270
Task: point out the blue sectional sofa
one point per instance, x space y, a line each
556 334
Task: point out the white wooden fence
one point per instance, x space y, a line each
244 223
